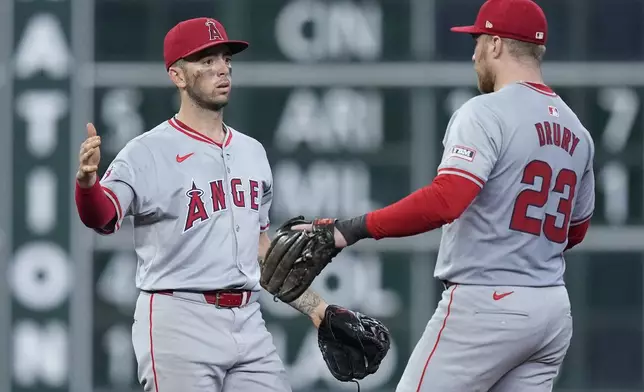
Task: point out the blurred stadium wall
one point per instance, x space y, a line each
351 99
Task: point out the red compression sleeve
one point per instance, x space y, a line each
576 234
430 207
94 208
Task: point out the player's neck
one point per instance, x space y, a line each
518 75
206 122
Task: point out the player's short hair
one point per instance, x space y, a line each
525 51
181 63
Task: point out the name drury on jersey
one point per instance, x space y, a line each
550 134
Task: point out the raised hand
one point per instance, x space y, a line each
89 158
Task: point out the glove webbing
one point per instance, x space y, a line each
363 350
356 381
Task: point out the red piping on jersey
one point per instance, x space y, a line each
580 221
117 206
438 338
428 208
154 367
463 173
541 88
262 228
183 128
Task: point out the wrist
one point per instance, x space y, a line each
86 181
317 315
353 230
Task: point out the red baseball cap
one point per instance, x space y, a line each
522 20
194 35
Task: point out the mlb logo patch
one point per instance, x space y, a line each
553 111
463 153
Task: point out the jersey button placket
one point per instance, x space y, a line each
225 156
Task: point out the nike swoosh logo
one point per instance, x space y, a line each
183 158
497 296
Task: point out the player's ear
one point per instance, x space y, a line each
496 45
177 75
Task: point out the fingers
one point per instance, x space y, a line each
87 169
303 227
91 130
89 148
87 155
90 144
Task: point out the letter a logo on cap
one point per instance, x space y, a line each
212 30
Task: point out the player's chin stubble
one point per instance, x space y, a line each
486 78
203 99
485 81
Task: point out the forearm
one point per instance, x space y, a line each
94 208
311 304
428 208
576 234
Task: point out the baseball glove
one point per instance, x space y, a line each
295 257
353 345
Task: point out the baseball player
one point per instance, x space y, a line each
199 193
514 190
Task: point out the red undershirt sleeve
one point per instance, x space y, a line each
94 207
577 233
428 208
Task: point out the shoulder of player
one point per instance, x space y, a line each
482 106
159 132
579 128
240 137
589 141
580 125
586 133
141 144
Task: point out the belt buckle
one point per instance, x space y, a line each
246 301
217 300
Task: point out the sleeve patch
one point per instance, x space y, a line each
107 173
462 152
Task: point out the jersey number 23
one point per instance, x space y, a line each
539 197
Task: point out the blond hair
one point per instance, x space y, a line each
525 51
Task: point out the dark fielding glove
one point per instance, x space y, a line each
353 345
295 257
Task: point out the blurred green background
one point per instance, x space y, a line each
351 100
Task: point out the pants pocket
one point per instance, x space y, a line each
500 313
494 319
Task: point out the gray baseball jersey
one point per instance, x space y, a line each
197 206
534 165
